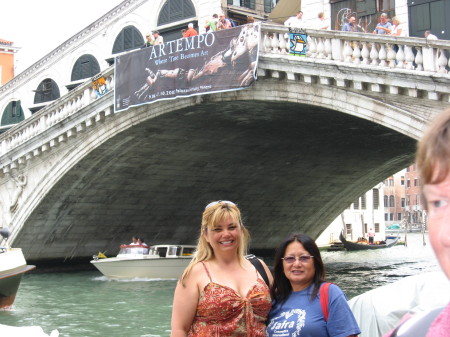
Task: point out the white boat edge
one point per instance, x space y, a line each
12 267
164 261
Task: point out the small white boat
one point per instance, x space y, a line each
12 268
161 262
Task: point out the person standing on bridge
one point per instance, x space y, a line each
295 21
384 26
433 162
221 293
303 303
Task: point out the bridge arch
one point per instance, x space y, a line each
132 173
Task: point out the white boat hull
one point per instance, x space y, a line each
12 267
158 268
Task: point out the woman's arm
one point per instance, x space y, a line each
185 304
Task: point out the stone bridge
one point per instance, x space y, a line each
294 150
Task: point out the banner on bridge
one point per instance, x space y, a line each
213 62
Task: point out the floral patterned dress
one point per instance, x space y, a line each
221 311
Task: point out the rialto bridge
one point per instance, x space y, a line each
294 150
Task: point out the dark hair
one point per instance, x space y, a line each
281 288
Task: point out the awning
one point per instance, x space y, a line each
284 9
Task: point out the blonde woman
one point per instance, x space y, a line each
397 27
221 293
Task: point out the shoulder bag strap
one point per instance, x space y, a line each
324 299
259 267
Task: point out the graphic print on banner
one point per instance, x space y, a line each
213 62
297 41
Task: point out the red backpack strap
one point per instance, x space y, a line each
324 299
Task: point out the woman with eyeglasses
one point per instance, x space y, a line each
221 293
299 274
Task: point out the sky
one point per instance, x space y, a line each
38 27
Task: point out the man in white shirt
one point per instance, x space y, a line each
430 36
321 22
295 21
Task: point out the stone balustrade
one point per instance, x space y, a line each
62 109
418 54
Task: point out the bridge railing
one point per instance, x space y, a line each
381 51
57 111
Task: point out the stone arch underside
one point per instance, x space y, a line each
290 167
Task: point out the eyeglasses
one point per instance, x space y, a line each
220 201
292 259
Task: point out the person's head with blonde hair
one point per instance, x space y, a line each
395 21
215 213
433 151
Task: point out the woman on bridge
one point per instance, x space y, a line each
221 293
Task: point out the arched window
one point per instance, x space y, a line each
386 201
85 67
391 201
46 91
129 38
176 10
12 114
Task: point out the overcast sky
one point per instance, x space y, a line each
38 27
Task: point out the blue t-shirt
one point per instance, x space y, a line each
382 31
299 317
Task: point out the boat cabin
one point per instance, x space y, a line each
171 251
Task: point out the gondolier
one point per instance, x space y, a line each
371 235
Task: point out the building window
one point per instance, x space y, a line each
391 216
377 227
363 201
175 10
348 228
12 114
268 6
128 39
85 67
46 91
386 201
386 217
408 200
417 199
402 180
408 183
416 182
403 202
399 216
391 201
376 198
386 5
356 204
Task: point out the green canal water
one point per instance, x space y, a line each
84 303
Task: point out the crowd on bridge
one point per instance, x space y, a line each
385 26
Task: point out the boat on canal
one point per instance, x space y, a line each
12 268
360 245
157 262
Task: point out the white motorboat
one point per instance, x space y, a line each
12 268
133 261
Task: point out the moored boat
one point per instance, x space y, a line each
160 262
12 268
349 245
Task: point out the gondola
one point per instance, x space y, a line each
361 246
